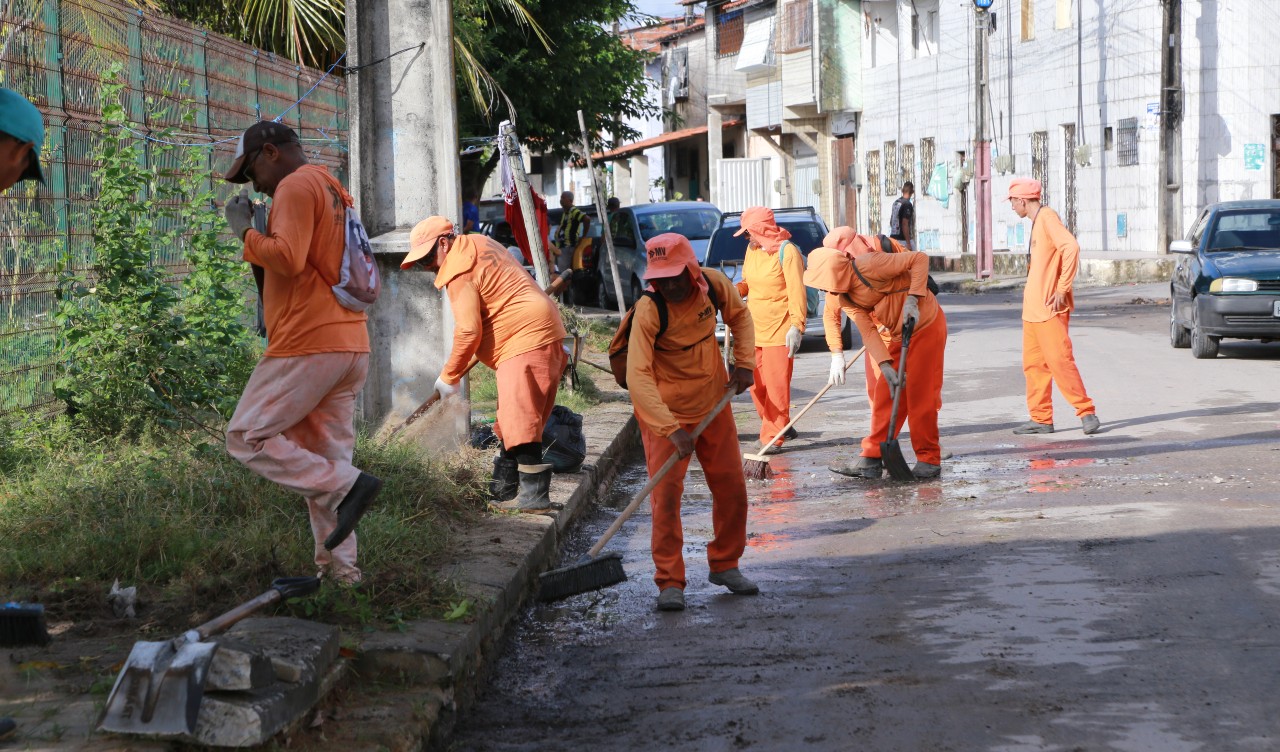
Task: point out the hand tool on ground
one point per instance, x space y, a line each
594 571
890 451
159 690
756 466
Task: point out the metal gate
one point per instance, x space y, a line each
743 183
1069 175
909 163
963 201
1040 162
1275 156
807 189
891 174
873 192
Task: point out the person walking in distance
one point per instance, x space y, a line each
1047 302
676 378
902 216
294 424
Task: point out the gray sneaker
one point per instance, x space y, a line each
1033 427
671 599
1091 424
870 468
924 470
735 580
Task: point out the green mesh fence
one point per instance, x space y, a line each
56 52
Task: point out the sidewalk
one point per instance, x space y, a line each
1096 268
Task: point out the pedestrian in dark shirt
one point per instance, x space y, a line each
470 213
902 217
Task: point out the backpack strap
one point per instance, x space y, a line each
663 319
711 292
886 244
870 286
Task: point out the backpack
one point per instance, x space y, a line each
812 295
887 246
359 283
621 340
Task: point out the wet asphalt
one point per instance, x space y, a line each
1063 592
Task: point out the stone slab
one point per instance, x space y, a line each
300 651
238 666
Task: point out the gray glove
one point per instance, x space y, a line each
911 310
891 376
794 340
239 213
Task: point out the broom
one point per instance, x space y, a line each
756 466
594 571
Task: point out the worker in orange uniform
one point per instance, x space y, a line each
1047 302
773 285
881 292
675 380
504 320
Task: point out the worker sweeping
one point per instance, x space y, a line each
676 377
506 322
881 292
773 285
1047 302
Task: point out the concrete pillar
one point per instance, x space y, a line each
623 187
404 167
715 151
640 179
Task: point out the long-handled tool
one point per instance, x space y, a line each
890 451
159 690
756 466
594 571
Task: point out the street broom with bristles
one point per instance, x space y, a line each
756 466
594 571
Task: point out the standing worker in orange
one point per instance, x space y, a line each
294 424
881 292
676 377
504 320
1047 302
773 285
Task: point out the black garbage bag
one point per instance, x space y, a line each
563 444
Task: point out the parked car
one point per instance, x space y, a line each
1227 279
726 253
633 225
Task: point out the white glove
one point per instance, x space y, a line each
891 376
836 374
239 214
447 390
794 338
911 310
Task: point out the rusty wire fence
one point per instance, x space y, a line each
57 52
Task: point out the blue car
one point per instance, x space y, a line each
633 225
1227 279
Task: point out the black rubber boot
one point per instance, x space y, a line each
535 490
352 508
506 478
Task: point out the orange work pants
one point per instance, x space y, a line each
1047 359
721 460
527 386
772 391
920 402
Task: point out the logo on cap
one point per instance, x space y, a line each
657 252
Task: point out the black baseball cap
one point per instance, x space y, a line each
251 142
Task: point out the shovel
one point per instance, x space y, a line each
890 451
159 690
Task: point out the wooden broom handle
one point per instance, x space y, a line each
653 480
812 402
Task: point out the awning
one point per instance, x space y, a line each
622 152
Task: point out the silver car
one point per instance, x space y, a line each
633 225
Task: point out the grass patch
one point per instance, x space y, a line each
197 532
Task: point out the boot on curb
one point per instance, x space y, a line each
870 468
534 496
1090 424
926 471
1033 427
671 599
506 479
735 580
352 508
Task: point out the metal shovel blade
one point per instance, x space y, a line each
159 690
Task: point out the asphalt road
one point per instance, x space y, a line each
1064 592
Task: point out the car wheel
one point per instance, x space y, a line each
602 295
1179 335
1203 346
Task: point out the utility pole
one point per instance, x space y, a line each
602 214
509 144
985 261
1169 220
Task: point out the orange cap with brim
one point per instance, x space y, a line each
669 254
754 217
422 240
1025 188
829 270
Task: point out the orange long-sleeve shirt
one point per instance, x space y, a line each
301 254
1055 259
681 378
775 292
877 310
498 310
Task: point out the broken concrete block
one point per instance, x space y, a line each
238 666
299 650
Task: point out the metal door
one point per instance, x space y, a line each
1040 162
1275 156
873 192
1069 176
743 183
806 189
846 182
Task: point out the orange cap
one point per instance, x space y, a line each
829 270
756 216
1027 188
422 240
669 254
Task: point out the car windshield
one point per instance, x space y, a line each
1246 230
694 224
805 233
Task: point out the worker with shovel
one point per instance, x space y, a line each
773 285
881 292
504 320
677 377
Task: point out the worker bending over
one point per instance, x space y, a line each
773 284
505 321
675 380
1047 302
881 292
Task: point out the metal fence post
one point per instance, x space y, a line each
57 159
